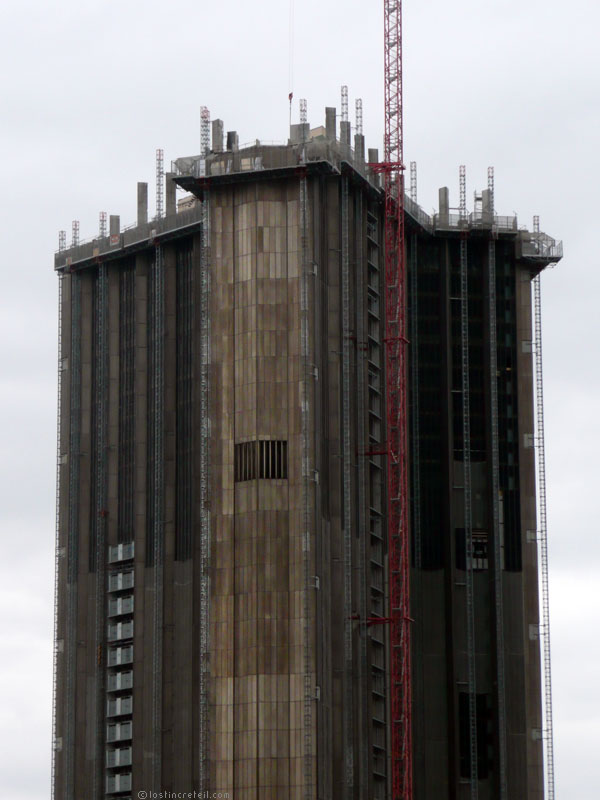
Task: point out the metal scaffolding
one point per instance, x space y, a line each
160 182
57 552
466 421
363 530
204 138
307 475
103 224
205 560
157 322
413 181
101 512
498 567
543 535
358 115
348 732
73 534
417 587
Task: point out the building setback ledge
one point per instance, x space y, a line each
197 186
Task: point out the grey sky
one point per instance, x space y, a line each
91 88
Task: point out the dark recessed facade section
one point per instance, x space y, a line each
265 459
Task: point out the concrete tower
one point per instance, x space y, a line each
221 535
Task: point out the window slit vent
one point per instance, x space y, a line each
265 459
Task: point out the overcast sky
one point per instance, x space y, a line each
90 89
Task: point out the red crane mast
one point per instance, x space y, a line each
396 344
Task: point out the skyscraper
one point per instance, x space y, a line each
222 572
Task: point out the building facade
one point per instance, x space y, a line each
221 536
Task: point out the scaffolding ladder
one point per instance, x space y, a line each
55 743
157 323
72 548
417 588
543 537
361 389
498 570
204 716
347 500
101 345
307 476
466 415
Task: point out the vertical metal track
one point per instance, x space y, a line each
363 530
101 345
466 414
543 539
157 323
73 536
417 588
125 527
57 539
348 733
498 570
204 721
414 379
307 632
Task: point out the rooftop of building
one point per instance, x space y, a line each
319 150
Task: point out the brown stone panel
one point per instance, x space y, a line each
223 558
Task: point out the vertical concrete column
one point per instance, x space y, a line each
486 208
233 141
330 123
142 203
345 133
170 189
217 135
444 201
299 133
374 159
359 148
115 225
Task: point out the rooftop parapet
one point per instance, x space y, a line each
132 237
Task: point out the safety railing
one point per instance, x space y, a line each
542 246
